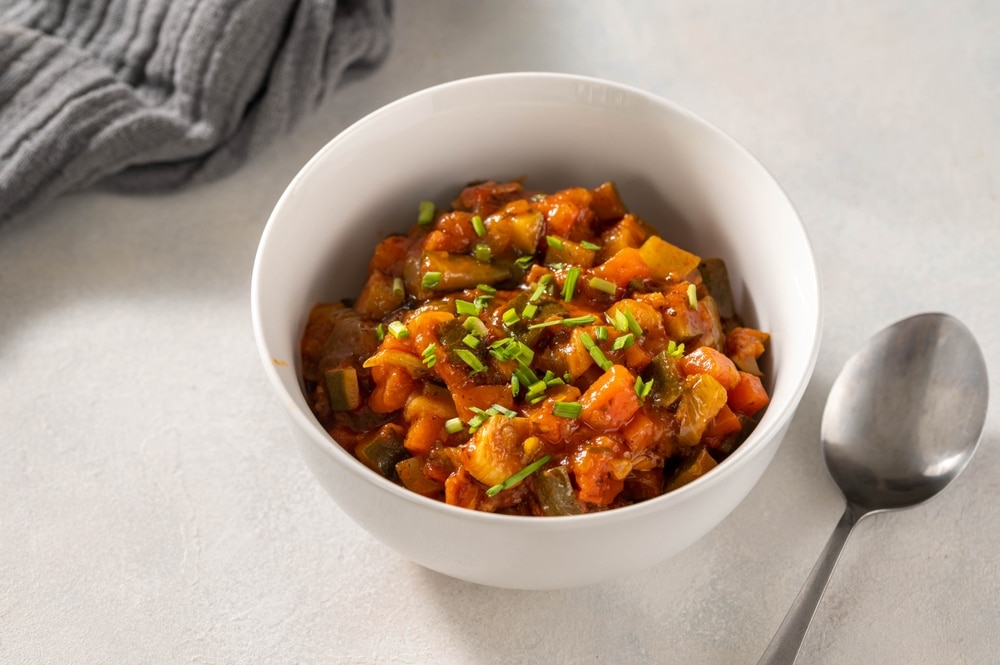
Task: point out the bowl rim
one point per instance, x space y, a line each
767 429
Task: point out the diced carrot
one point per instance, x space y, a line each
482 397
424 326
453 232
637 358
610 401
392 388
423 433
545 424
560 217
748 396
745 346
461 490
599 472
389 255
640 432
724 424
706 360
626 264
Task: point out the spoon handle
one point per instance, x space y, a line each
784 646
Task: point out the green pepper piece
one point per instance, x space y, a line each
555 492
383 450
668 381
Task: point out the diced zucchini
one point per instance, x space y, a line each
411 475
342 388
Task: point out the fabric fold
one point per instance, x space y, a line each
148 95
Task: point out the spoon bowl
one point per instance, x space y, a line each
905 415
902 421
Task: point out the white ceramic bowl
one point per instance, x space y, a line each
701 189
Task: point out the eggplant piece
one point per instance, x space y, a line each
715 277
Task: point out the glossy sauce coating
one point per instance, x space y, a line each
536 354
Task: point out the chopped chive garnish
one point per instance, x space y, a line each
567 409
524 261
596 353
545 324
425 213
569 286
525 376
633 325
454 425
539 291
482 252
618 321
475 326
519 476
693 296
466 308
486 288
477 421
510 317
399 330
478 226
600 284
397 287
586 244
554 242
515 385
470 341
623 342
500 409
430 280
529 311
675 350
430 355
380 332
579 320
470 359
642 388
601 333
537 388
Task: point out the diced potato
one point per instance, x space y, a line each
666 259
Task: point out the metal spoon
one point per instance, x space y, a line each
901 422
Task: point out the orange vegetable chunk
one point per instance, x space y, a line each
610 401
748 396
706 360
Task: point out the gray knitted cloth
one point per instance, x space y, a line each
143 95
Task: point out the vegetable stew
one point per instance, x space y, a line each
536 354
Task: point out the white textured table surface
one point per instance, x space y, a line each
154 510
